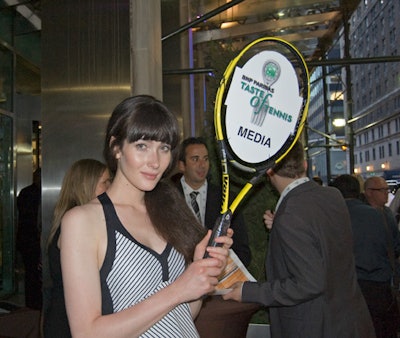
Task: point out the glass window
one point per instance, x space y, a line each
6 206
6 85
6 24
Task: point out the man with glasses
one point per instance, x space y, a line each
376 192
373 265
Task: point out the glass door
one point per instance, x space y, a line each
6 205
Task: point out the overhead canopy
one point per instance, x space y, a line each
309 25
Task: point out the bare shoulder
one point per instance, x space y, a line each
85 218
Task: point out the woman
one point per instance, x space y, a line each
132 260
85 180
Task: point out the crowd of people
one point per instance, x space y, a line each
127 244
376 246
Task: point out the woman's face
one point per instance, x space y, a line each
143 162
103 183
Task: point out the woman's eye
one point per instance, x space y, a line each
166 148
140 146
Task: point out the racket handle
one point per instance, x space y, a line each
221 227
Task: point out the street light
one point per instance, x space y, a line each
339 122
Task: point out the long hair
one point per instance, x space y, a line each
78 187
143 117
140 117
173 219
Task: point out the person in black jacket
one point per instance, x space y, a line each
194 165
311 287
28 240
217 317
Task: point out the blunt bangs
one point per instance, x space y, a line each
153 123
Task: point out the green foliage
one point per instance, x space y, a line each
217 56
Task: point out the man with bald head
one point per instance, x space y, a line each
376 191
373 264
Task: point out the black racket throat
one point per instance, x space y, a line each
221 227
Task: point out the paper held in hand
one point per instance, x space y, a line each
234 272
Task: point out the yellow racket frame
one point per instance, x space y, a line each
218 122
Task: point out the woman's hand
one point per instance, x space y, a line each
202 247
201 276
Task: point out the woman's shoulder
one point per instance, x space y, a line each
85 209
87 215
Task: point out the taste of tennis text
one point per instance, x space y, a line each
254 136
253 89
259 100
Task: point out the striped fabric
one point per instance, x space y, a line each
132 272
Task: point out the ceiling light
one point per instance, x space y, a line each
228 24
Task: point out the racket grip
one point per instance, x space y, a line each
221 227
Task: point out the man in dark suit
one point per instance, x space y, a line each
28 239
217 318
311 288
194 165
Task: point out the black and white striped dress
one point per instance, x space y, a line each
131 272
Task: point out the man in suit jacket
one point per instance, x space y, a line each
311 288
217 318
194 166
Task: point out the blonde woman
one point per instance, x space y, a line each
85 180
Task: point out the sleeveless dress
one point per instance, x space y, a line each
131 272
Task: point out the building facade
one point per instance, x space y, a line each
326 135
375 32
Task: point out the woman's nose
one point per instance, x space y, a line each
153 160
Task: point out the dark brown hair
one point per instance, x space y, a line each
292 165
143 117
173 219
140 117
187 142
348 185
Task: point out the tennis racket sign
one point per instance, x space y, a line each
266 94
259 113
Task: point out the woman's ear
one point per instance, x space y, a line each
115 148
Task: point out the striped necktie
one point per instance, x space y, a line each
195 206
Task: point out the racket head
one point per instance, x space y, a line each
261 105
